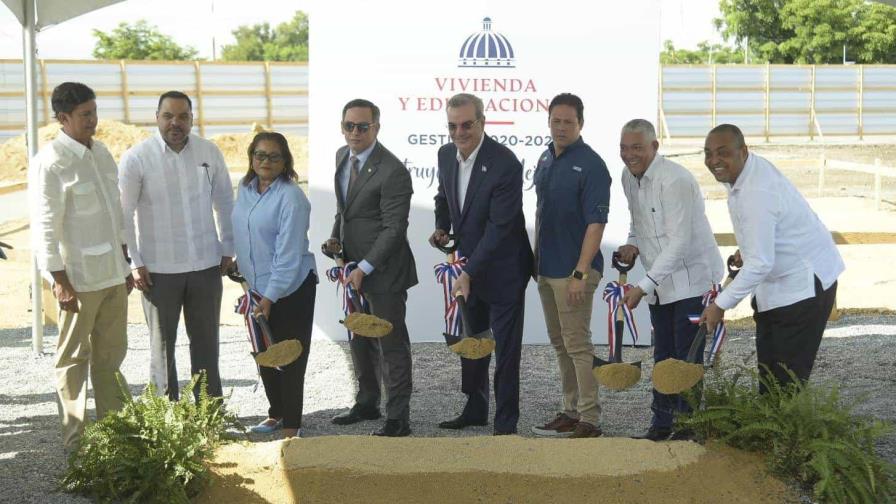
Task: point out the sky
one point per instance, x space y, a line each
198 22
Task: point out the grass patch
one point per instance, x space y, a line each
153 450
807 432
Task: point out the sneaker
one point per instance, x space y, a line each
561 426
585 430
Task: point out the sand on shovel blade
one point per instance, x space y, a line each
280 354
366 325
617 375
673 376
473 348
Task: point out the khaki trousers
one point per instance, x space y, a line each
93 340
569 329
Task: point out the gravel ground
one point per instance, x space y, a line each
857 353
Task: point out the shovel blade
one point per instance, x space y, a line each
451 339
486 334
598 362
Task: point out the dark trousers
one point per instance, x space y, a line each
788 337
291 317
386 360
198 293
506 322
673 334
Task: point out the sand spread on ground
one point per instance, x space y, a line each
617 375
369 326
487 469
280 354
473 348
673 376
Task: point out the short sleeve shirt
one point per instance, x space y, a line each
573 191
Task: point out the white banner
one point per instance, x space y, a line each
409 58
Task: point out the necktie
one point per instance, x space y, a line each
353 173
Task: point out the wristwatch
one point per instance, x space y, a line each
578 275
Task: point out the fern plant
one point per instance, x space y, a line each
152 450
807 432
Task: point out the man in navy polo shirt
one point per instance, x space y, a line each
573 188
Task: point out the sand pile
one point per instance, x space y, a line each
673 376
487 469
617 375
235 147
118 137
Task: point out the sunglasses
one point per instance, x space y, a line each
262 156
362 127
467 126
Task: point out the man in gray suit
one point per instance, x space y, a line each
373 194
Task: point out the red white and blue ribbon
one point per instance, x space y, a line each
718 338
245 306
446 273
338 275
613 296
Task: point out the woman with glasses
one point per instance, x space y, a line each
270 221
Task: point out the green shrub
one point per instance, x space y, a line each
806 432
152 450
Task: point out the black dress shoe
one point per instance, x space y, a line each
656 434
460 422
356 415
393 428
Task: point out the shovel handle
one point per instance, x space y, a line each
450 247
695 345
733 269
261 319
620 266
465 322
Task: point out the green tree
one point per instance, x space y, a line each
706 53
287 42
810 31
139 41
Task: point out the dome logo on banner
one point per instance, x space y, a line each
486 49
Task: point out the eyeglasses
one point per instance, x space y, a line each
262 156
362 127
466 126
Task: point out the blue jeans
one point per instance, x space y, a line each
673 333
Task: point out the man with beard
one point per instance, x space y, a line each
175 182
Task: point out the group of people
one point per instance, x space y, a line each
168 210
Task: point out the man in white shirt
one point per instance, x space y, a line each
177 183
790 262
79 240
670 233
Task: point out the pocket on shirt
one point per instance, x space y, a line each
84 198
99 263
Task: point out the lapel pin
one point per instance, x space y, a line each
484 168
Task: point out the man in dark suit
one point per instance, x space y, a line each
480 199
373 193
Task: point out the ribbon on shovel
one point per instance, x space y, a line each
446 273
338 275
613 296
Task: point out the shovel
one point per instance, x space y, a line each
673 376
615 374
358 321
469 346
278 354
472 346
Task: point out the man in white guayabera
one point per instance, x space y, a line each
176 183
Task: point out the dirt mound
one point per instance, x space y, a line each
487 469
118 137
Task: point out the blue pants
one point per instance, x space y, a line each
673 333
506 322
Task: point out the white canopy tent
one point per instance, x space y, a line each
35 15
